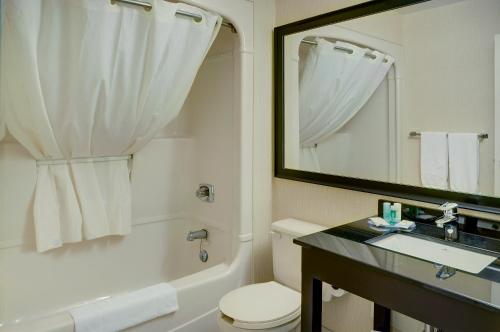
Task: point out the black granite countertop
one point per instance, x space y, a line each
350 240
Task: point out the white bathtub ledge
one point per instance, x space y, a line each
62 322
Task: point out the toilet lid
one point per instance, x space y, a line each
263 305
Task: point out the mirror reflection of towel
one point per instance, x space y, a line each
464 162
434 160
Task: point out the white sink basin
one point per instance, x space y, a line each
461 259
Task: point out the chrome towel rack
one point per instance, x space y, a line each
148 6
480 136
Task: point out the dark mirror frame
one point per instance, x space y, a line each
466 201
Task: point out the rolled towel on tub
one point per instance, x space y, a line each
122 311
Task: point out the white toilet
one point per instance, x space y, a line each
271 306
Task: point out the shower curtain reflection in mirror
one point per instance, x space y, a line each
337 80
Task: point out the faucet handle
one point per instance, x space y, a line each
449 209
449 212
448 206
206 192
444 220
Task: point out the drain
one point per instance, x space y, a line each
203 255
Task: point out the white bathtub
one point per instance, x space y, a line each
198 295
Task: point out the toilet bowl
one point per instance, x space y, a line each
271 306
264 307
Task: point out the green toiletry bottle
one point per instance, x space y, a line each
393 218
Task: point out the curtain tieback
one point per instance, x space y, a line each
81 160
313 145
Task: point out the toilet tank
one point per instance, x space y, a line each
286 254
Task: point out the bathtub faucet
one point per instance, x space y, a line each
194 235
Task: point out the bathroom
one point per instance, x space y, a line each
212 196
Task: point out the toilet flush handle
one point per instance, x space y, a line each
272 233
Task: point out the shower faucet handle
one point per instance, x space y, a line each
206 192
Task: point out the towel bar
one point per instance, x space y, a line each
481 136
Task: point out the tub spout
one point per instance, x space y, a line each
194 235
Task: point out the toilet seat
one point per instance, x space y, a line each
261 306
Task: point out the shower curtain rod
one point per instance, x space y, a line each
147 7
340 48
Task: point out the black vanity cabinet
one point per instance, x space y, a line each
341 257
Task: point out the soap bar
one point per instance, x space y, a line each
377 221
405 224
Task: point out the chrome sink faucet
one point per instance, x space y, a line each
449 221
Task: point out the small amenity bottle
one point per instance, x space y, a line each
397 206
387 211
392 220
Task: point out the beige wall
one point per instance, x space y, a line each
320 204
293 10
497 114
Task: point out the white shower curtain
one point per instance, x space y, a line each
87 79
333 88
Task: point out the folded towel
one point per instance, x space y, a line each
464 162
405 224
120 312
378 222
434 160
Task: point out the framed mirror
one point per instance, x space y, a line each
395 97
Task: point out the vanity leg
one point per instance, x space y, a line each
381 318
311 298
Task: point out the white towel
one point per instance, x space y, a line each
123 311
464 162
434 160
